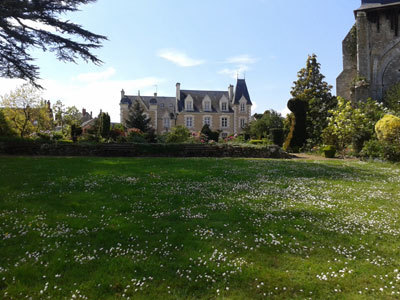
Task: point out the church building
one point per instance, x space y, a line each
371 52
228 111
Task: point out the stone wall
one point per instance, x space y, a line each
376 66
140 150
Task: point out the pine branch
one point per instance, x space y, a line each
18 36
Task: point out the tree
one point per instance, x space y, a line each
26 24
104 125
76 131
5 129
72 116
24 108
59 114
311 88
262 126
137 118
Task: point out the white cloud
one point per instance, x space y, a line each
241 65
100 92
244 59
235 72
179 58
96 76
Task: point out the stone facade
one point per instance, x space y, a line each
371 52
228 111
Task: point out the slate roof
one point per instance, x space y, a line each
164 104
241 90
376 4
198 97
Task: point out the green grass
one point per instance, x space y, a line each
95 228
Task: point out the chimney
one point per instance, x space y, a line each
178 91
138 93
83 112
122 93
91 115
155 94
230 90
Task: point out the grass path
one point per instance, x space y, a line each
96 228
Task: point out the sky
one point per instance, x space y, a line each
204 45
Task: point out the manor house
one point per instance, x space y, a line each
228 111
371 52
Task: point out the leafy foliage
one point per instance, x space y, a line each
261 127
209 134
178 134
26 24
388 129
137 118
392 99
104 125
5 129
76 131
26 111
311 88
350 124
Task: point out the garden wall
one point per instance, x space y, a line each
140 150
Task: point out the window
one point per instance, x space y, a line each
207 121
162 105
189 121
224 106
207 106
224 135
224 122
242 107
167 122
189 105
242 123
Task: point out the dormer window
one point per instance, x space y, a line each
207 105
189 105
224 106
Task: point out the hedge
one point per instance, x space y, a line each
139 150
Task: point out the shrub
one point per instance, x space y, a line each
388 128
260 142
277 136
329 151
178 134
297 135
372 149
116 132
136 136
385 150
209 134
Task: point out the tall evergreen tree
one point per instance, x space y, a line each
311 88
26 24
137 118
104 124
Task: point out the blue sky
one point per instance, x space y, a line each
202 45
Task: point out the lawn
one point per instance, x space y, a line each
96 228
